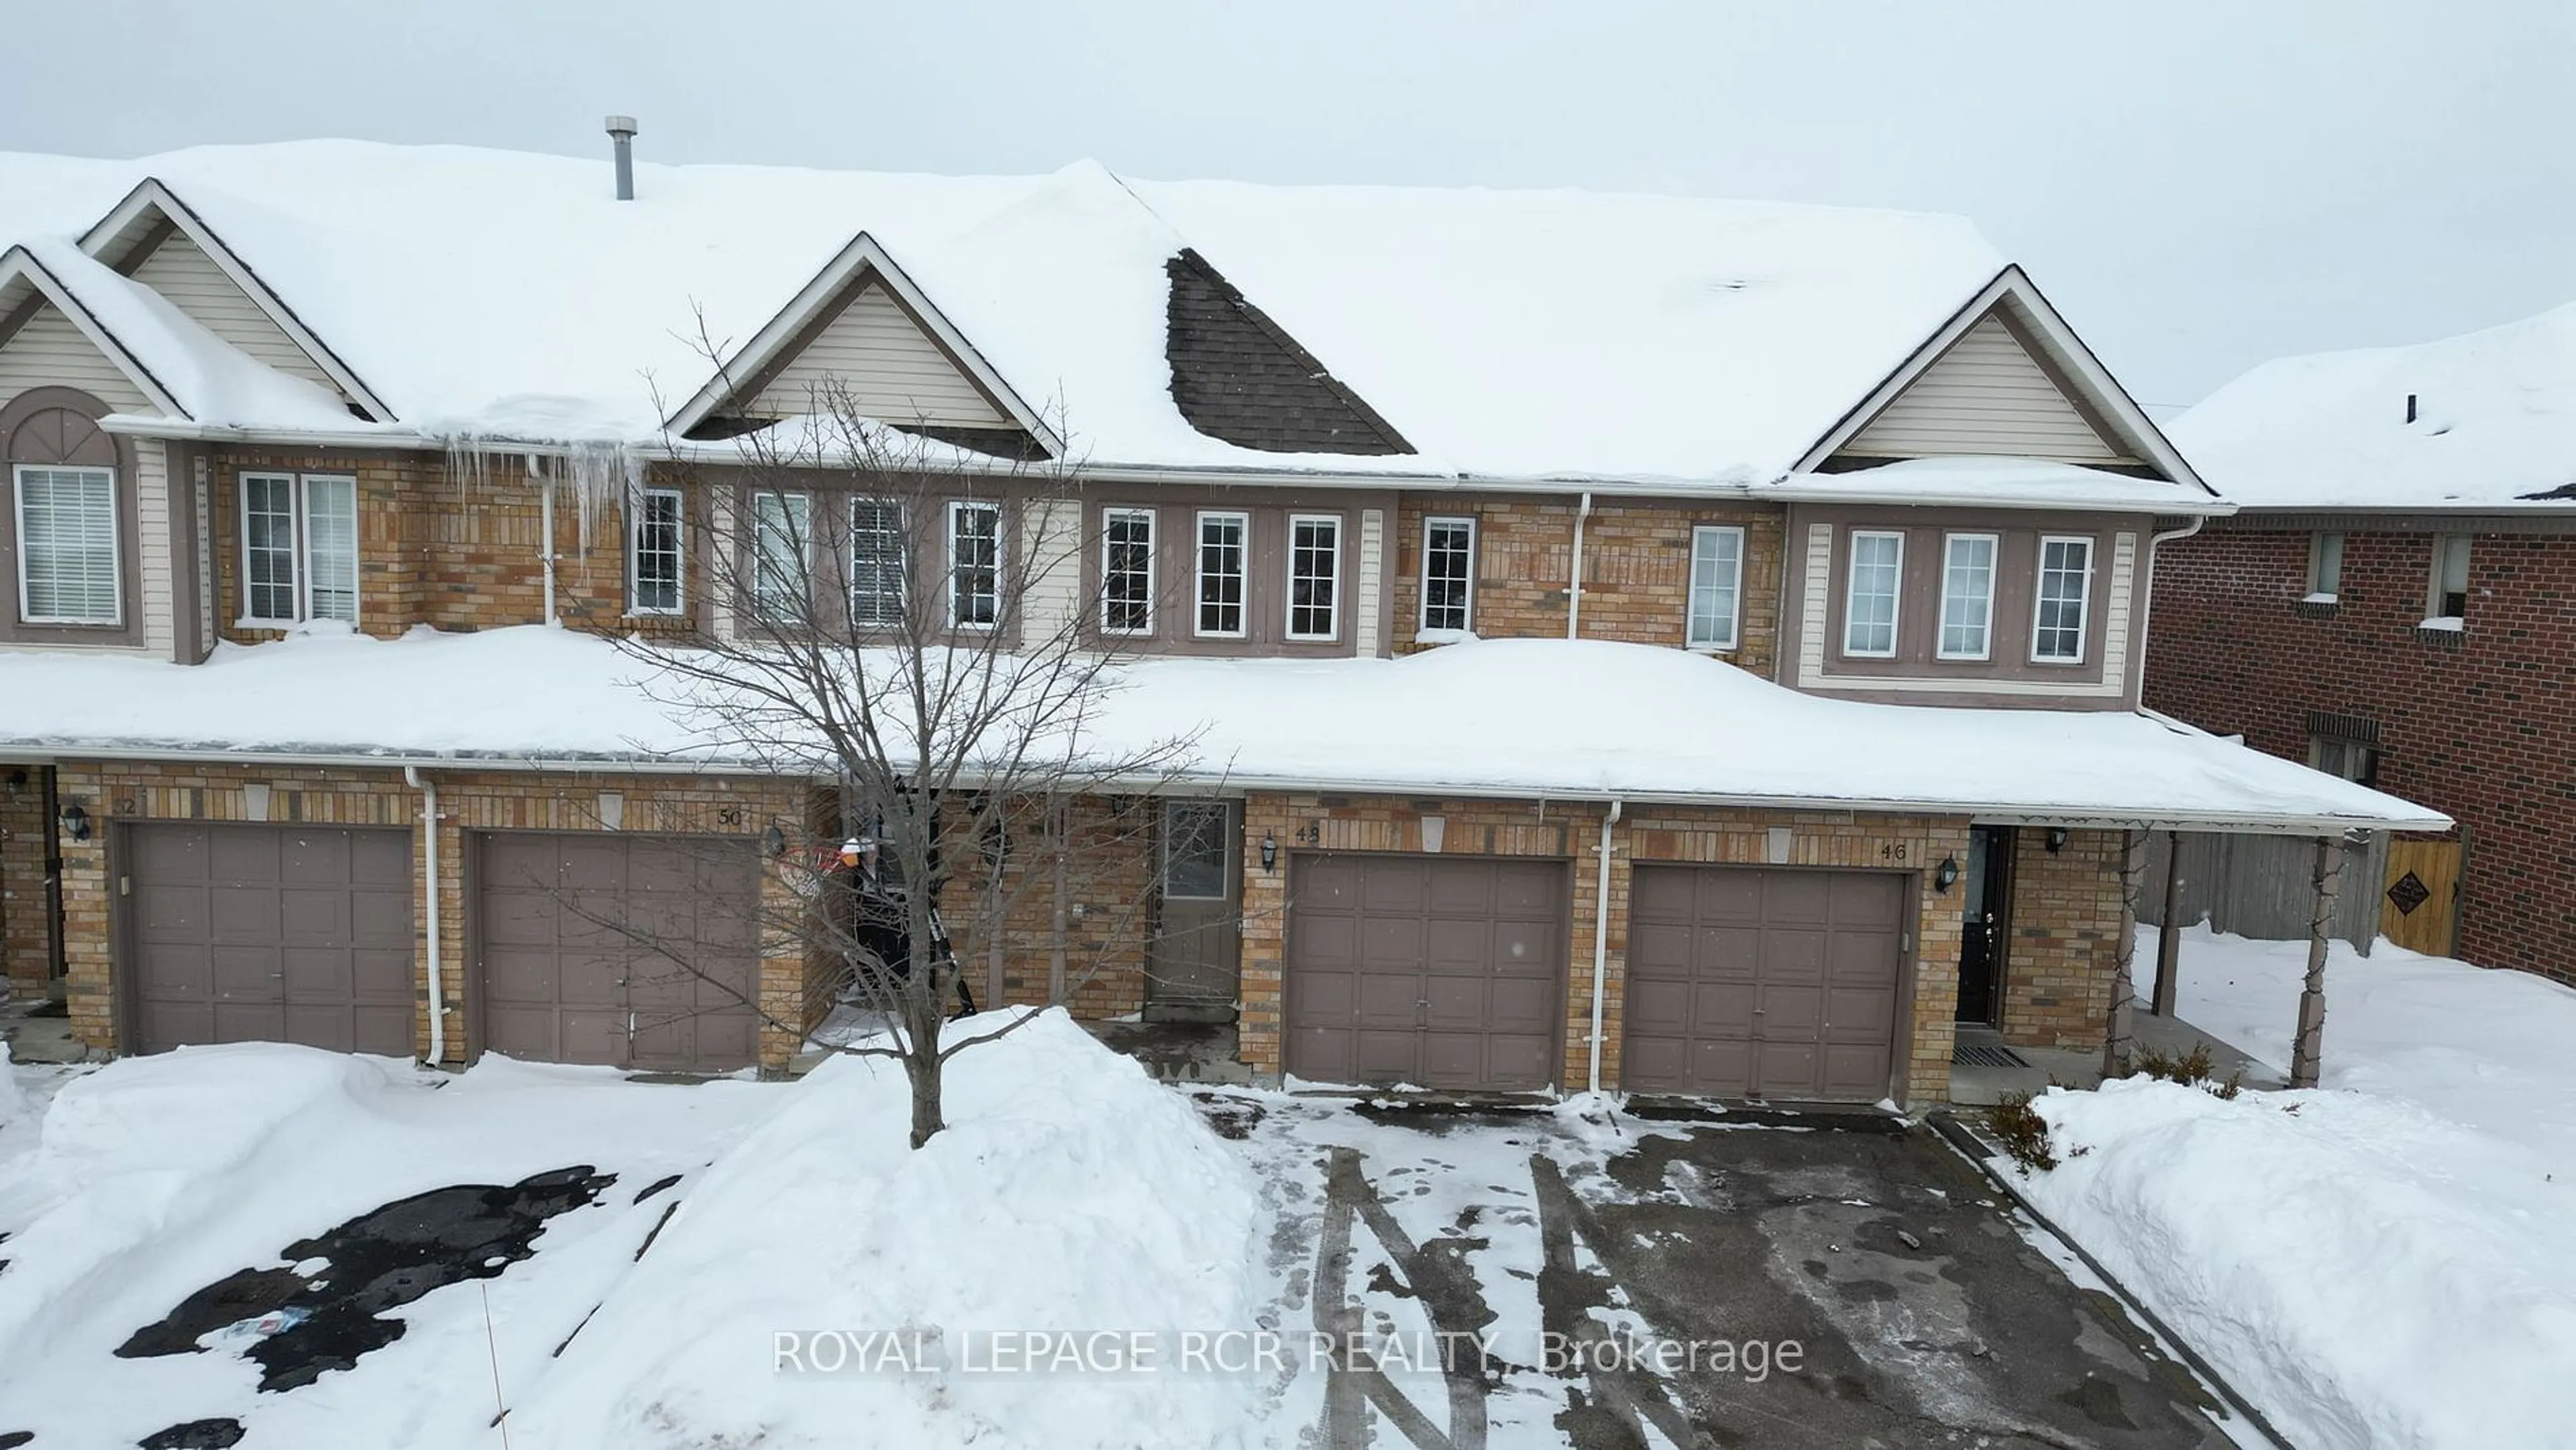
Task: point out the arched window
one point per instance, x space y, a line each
63 482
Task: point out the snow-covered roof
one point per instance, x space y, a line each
1690 729
1985 482
1505 335
2494 424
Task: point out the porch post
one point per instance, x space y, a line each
2133 867
1060 928
2307 1051
2169 935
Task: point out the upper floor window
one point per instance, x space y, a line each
2450 599
1314 576
1967 596
299 548
2354 760
2325 568
1224 539
1869 603
877 574
974 564
782 531
67 555
1448 575
653 557
1716 586
2065 600
1127 571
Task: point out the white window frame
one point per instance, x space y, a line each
803 537
1110 518
957 509
2442 546
1467 602
901 568
1986 630
1288 615
1896 594
2325 586
2083 602
299 549
1242 522
115 545
639 506
1691 636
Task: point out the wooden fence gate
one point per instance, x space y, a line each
2419 903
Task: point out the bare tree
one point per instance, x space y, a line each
904 621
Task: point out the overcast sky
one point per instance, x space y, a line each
2199 186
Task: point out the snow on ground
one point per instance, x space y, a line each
1069 1191
1695 728
2380 1262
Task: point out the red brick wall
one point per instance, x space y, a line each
2476 725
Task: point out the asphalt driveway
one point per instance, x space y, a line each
1827 1281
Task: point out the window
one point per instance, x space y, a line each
1196 837
2065 597
1127 571
1448 574
782 526
974 564
1967 596
877 574
1716 586
2354 760
1223 539
1314 575
653 553
2325 568
2450 576
67 564
299 548
1869 604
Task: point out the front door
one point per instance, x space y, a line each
1198 932
1986 891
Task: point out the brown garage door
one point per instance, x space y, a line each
560 982
1751 983
1437 971
270 933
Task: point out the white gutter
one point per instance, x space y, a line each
1574 585
429 859
1601 943
2203 506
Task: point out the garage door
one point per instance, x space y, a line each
1436 971
270 933
560 982
1747 983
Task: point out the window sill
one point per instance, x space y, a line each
2444 633
1444 636
2318 606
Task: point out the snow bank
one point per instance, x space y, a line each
1068 1192
2366 1272
12 1101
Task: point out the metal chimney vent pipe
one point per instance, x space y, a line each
621 134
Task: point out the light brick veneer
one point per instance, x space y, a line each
2068 915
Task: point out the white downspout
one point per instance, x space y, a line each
546 551
1574 586
2147 595
1601 943
429 859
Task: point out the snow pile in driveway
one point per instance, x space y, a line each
1068 1192
2368 1273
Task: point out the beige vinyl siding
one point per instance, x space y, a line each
151 485
1370 596
1051 541
180 270
892 370
49 352
1986 395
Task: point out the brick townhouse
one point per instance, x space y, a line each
1729 666
2395 601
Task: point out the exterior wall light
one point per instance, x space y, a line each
2056 839
1269 852
774 841
1946 875
75 822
